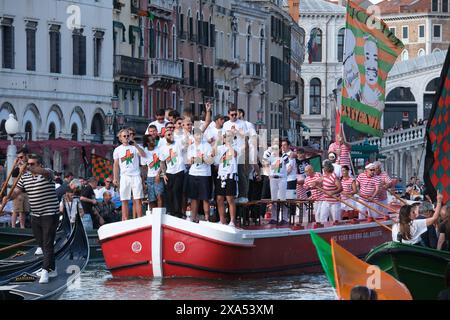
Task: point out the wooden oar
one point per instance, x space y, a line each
368 206
17 245
397 197
11 191
354 208
5 185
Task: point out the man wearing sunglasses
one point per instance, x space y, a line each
126 158
368 186
38 182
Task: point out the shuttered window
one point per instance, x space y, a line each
55 49
98 40
7 44
31 45
79 53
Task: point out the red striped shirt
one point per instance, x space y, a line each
383 179
315 194
367 185
347 184
344 157
301 191
329 185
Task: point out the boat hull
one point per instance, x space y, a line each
421 269
178 248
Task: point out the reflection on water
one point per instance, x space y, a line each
96 283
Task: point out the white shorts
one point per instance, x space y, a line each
130 185
328 209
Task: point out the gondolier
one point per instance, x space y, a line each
37 182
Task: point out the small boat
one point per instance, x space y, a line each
160 245
421 269
22 259
70 262
10 236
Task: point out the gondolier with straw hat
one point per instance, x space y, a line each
38 183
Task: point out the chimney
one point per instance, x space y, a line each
294 9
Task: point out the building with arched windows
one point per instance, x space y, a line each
56 72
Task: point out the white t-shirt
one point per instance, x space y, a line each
128 160
278 165
418 227
198 167
159 126
152 162
292 176
238 125
99 192
337 170
173 155
213 132
226 160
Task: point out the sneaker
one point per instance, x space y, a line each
44 276
188 219
39 251
231 224
38 273
53 273
272 222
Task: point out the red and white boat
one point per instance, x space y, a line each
160 245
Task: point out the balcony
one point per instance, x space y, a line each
162 70
254 70
129 67
161 8
225 63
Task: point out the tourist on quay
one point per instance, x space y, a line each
127 174
332 185
108 187
342 150
200 157
226 180
385 183
444 232
38 183
172 153
409 229
88 200
312 181
21 205
368 186
348 189
71 203
152 163
65 185
430 238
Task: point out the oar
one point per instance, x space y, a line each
5 185
368 206
397 197
17 245
351 206
22 170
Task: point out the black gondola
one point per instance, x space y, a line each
70 262
9 267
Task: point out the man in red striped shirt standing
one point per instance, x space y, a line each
342 150
313 180
332 186
385 183
368 186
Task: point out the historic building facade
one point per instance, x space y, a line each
55 68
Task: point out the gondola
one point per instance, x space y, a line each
70 262
27 259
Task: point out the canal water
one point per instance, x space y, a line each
96 283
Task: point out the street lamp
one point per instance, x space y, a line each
324 132
115 119
11 128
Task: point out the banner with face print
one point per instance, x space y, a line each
370 51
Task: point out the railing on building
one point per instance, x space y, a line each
161 4
128 66
254 69
165 68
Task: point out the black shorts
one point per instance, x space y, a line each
199 188
230 188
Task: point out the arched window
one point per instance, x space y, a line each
174 43
261 47
74 132
340 40
315 45
158 40
405 55
315 90
429 95
444 5
51 131
190 25
421 53
436 50
29 131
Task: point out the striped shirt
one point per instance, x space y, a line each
367 185
346 187
315 194
383 179
329 185
301 191
41 194
343 158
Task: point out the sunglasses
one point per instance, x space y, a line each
233 114
31 163
20 157
109 181
372 169
125 136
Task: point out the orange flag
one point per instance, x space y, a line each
349 271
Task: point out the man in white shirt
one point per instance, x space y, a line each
160 122
239 129
337 167
214 132
107 188
126 158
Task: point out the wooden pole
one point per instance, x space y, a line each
397 197
17 245
5 185
368 206
22 170
354 208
